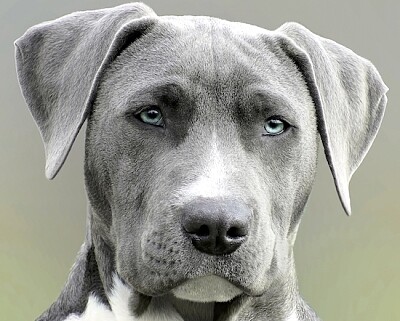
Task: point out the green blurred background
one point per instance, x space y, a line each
348 268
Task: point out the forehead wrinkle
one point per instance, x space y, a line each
219 57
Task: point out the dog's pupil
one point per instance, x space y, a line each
274 123
152 114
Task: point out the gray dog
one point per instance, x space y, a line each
201 151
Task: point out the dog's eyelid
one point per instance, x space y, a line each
148 107
284 119
137 108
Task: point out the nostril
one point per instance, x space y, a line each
203 231
236 232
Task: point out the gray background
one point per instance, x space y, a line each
349 268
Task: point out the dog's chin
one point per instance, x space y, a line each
210 288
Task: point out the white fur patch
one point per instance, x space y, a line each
212 182
292 317
95 311
209 288
119 301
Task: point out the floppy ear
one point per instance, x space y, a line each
59 65
349 97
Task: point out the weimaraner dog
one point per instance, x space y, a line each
201 151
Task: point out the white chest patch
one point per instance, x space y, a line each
119 301
96 311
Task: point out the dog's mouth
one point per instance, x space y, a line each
173 267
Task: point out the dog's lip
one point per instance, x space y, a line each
208 288
245 289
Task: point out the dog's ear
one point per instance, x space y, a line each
59 65
349 96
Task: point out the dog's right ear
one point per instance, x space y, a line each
349 96
59 65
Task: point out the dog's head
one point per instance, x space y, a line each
201 143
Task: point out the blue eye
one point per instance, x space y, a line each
151 116
275 126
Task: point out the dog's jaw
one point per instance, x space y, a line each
126 304
159 310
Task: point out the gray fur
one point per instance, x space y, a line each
216 81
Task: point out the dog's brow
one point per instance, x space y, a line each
163 92
271 100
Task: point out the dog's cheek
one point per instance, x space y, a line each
304 169
115 170
128 266
97 179
288 174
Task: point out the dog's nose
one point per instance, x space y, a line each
216 226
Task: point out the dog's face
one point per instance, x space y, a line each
201 142
202 129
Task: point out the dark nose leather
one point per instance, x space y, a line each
215 226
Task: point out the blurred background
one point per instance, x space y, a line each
348 268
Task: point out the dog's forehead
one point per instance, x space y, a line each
218 47
203 54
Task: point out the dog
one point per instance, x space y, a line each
200 154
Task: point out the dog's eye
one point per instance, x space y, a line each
275 126
151 116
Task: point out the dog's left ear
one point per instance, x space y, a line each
60 64
349 96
